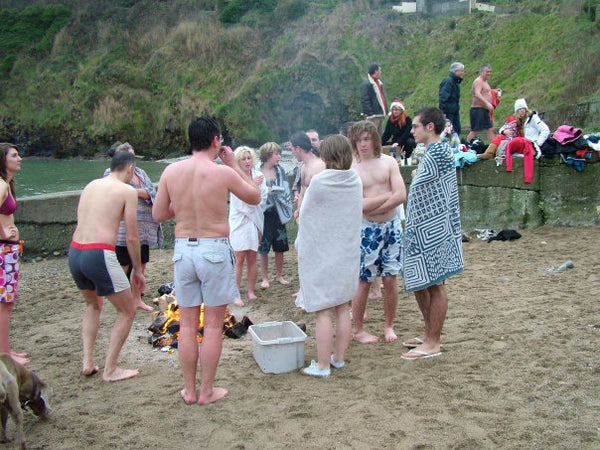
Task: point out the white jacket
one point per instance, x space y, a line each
536 130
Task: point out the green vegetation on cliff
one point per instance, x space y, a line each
89 73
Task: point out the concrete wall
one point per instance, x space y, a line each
490 198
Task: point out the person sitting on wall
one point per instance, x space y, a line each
534 132
397 130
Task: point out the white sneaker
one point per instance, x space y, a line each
314 371
336 364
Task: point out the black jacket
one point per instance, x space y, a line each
368 99
449 95
398 135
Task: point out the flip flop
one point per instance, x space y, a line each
419 354
414 342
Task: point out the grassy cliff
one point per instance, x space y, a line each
79 75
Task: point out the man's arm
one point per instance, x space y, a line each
365 98
397 195
444 94
162 209
132 238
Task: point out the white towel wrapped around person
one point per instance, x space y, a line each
328 240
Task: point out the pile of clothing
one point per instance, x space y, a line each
573 147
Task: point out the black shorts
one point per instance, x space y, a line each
274 234
123 254
480 119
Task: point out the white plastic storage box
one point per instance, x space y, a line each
278 346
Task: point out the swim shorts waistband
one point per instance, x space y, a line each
222 240
92 246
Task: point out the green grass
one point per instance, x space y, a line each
89 73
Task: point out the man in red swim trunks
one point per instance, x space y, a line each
94 266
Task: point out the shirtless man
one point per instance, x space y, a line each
310 165
481 107
383 191
195 192
94 266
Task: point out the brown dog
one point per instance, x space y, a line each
20 388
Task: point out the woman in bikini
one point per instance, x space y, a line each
10 248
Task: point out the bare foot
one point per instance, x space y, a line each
217 394
252 296
365 338
21 360
238 302
89 371
283 281
187 399
295 294
375 294
389 335
141 305
265 284
120 374
20 355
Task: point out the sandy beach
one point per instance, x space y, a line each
520 367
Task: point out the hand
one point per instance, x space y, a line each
259 179
138 278
395 144
226 155
9 233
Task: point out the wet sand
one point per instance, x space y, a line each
520 366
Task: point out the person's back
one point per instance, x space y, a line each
198 191
100 210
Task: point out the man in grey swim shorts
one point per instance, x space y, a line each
195 192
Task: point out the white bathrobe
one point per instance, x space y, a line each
329 240
246 221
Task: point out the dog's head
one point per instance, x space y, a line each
37 397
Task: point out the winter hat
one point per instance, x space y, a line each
397 104
520 103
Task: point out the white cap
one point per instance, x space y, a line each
520 103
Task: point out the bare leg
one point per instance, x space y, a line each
188 351
264 268
490 134
89 330
324 336
375 291
239 268
251 274
471 135
125 305
424 300
390 302
343 331
5 310
438 308
279 269
210 354
359 305
433 302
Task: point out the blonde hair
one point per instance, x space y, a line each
336 152
267 149
241 151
